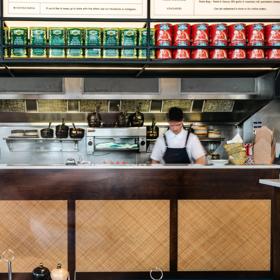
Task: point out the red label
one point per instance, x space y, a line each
181 54
218 54
255 54
163 54
237 54
273 54
200 54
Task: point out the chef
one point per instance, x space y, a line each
177 145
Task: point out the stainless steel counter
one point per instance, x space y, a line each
138 166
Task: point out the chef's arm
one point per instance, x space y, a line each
154 161
200 160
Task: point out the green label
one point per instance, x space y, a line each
19 37
129 38
57 38
74 38
38 37
143 35
93 37
111 38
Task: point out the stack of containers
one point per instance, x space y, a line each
200 36
182 37
272 35
255 37
218 37
164 39
237 38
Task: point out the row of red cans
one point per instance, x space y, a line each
218 54
219 34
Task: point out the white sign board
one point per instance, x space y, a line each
196 9
76 8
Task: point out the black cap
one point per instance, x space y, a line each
175 114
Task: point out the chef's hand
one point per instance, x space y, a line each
201 160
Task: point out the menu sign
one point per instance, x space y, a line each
215 9
76 9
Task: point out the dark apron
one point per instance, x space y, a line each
176 155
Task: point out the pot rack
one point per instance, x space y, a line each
140 68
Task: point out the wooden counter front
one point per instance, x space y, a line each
107 224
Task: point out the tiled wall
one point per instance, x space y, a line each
85 106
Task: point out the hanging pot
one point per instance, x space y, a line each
61 131
47 132
136 119
94 119
41 273
152 131
77 133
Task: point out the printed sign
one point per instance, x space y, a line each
76 9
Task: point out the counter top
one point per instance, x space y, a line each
138 166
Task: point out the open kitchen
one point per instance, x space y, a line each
88 93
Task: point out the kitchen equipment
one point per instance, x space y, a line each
152 130
76 132
47 132
219 162
94 119
116 139
137 118
123 119
59 273
8 256
61 131
41 273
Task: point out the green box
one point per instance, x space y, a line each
38 37
111 38
129 38
5 41
143 42
93 37
57 38
19 36
75 38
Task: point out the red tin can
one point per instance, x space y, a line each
200 54
255 34
218 54
182 34
237 34
272 34
200 34
237 54
249 149
181 54
273 54
255 54
163 34
218 34
163 54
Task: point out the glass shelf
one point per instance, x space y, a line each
37 144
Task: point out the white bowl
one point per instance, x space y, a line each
219 161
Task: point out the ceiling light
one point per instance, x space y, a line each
72 68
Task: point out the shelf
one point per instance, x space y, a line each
211 139
38 139
134 67
26 144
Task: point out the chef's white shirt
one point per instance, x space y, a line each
194 148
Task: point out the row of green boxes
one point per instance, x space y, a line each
56 36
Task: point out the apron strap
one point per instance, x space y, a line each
164 138
189 132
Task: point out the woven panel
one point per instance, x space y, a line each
36 231
122 235
224 235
